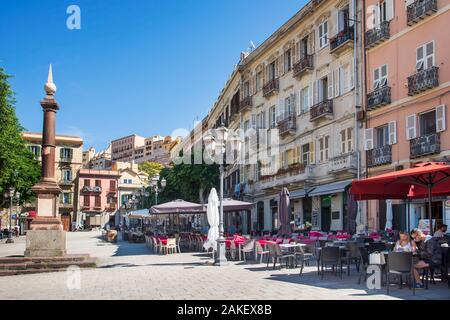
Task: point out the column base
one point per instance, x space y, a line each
46 238
220 259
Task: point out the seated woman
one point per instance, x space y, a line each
405 244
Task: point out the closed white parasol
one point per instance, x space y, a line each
212 212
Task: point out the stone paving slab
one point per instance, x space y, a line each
132 271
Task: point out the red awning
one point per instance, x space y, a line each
413 183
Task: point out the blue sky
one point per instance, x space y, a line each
136 66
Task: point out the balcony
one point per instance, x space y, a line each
271 87
245 103
65 205
88 189
342 41
287 124
423 80
343 163
379 156
377 35
419 10
306 63
65 182
322 109
425 145
378 98
111 207
65 160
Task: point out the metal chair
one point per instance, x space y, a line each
353 255
260 251
247 247
364 255
331 256
401 264
278 256
305 258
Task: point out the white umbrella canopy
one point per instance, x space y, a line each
389 215
212 213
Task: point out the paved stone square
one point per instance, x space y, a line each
132 271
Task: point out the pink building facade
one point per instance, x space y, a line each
407 79
96 196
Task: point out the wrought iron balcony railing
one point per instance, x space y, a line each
379 156
65 182
321 109
377 35
287 123
271 87
378 98
423 80
425 145
419 10
245 103
344 37
305 63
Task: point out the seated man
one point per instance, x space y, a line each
429 252
442 230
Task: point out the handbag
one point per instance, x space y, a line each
377 258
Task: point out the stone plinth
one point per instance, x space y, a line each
45 243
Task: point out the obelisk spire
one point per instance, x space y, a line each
50 87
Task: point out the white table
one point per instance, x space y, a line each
293 245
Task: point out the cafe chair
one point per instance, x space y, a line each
401 264
171 246
178 244
156 245
278 256
330 256
353 255
304 258
163 247
260 251
248 247
231 251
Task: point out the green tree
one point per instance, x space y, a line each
151 168
18 168
190 182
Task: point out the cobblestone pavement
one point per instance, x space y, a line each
131 271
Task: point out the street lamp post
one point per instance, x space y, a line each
220 142
156 189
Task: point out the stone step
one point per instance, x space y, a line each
67 258
87 263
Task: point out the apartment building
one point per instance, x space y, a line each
297 99
123 149
69 160
96 197
156 149
407 54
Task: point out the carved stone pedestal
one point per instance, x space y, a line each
46 238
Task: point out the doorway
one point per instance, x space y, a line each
326 213
260 214
65 219
382 214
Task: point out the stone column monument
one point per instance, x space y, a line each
46 237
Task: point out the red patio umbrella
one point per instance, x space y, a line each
422 181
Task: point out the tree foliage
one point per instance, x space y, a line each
151 168
190 182
18 168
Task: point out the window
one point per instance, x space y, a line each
86 201
246 89
380 76
303 47
425 56
112 185
323 89
271 71
98 183
66 153
323 34
305 154
98 202
246 125
273 116
288 60
382 136
259 81
347 140
304 100
427 123
35 150
288 105
87 182
343 16
324 144
66 198
67 175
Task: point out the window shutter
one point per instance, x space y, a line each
311 95
368 139
312 153
351 13
301 106
392 132
420 58
411 130
440 118
294 102
337 82
330 85
280 109
389 10
311 42
335 24
351 76
253 121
